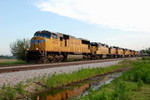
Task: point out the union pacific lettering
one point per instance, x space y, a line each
37 41
55 42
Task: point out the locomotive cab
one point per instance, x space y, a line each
39 40
39 45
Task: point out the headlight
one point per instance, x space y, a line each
37 48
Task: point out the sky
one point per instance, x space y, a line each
123 23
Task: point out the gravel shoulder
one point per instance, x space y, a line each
16 77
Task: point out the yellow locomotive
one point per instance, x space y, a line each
55 47
99 50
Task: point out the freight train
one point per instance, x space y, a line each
51 47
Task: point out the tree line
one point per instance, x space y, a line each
146 51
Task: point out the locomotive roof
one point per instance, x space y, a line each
98 43
117 47
44 31
121 48
112 47
84 39
62 34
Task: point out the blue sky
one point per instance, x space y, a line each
94 20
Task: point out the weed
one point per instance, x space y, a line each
121 91
145 58
140 84
9 93
37 88
3 87
29 80
20 88
57 80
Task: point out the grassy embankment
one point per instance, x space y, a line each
52 81
131 85
11 62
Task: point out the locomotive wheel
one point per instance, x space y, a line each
45 60
94 57
85 57
61 57
39 61
56 58
89 57
97 57
42 60
51 58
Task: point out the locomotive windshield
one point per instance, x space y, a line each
43 34
93 44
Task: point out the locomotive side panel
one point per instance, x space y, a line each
127 53
85 48
113 51
102 50
120 52
53 45
75 45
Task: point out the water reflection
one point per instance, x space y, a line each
75 90
63 95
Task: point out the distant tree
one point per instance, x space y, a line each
19 47
148 51
143 51
1 56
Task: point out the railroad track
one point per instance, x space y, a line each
7 69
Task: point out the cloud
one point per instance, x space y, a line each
129 15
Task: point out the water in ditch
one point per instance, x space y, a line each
76 90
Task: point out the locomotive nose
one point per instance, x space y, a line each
37 44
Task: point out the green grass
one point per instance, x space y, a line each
13 62
145 58
57 80
142 94
132 85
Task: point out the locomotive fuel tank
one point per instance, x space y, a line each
74 57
